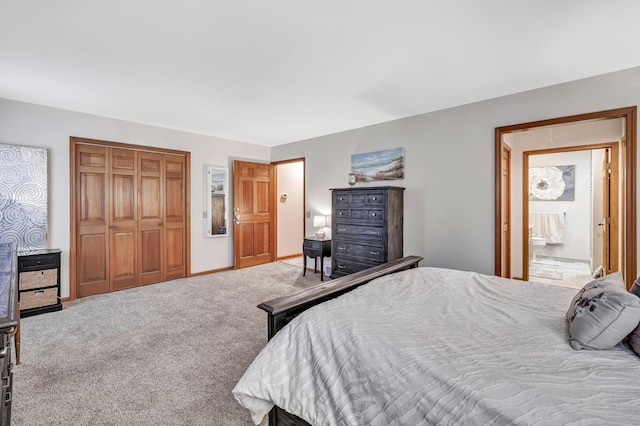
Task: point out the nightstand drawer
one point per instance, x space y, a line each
38 279
38 298
312 244
42 261
313 252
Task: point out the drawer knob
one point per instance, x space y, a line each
341 213
375 253
342 248
341 199
342 229
341 266
374 215
374 198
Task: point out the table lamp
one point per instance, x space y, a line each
320 222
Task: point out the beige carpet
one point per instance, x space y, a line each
163 354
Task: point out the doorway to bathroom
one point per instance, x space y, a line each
577 132
572 213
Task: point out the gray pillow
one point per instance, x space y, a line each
634 340
635 288
634 337
602 314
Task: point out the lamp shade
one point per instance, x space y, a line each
319 221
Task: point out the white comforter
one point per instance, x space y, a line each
438 346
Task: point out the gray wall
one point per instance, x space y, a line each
449 201
34 125
449 163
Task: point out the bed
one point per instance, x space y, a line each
436 346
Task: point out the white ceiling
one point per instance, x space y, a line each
277 71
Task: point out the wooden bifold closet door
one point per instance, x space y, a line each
130 217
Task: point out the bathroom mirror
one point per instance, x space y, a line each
216 201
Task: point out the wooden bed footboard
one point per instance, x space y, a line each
283 309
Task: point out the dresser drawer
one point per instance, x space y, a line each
42 261
361 214
359 198
346 266
376 198
347 198
360 251
349 230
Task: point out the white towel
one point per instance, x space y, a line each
548 225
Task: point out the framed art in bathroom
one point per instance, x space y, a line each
552 183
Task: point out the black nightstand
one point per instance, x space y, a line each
39 281
316 248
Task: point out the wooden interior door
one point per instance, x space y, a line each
253 214
505 214
122 219
91 238
609 223
174 223
150 217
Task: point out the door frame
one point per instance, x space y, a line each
628 148
75 140
506 221
613 146
275 164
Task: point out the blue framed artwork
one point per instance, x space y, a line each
387 164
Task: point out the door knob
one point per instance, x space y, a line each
237 219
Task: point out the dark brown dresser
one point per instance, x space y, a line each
39 281
8 325
366 227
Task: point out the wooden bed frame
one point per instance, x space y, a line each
283 309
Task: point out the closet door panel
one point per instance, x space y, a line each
150 218
151 257
174 220
122 220
174 255
92 243
92 266
123 272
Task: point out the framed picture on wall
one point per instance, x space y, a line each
23 196
552 183
387 164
